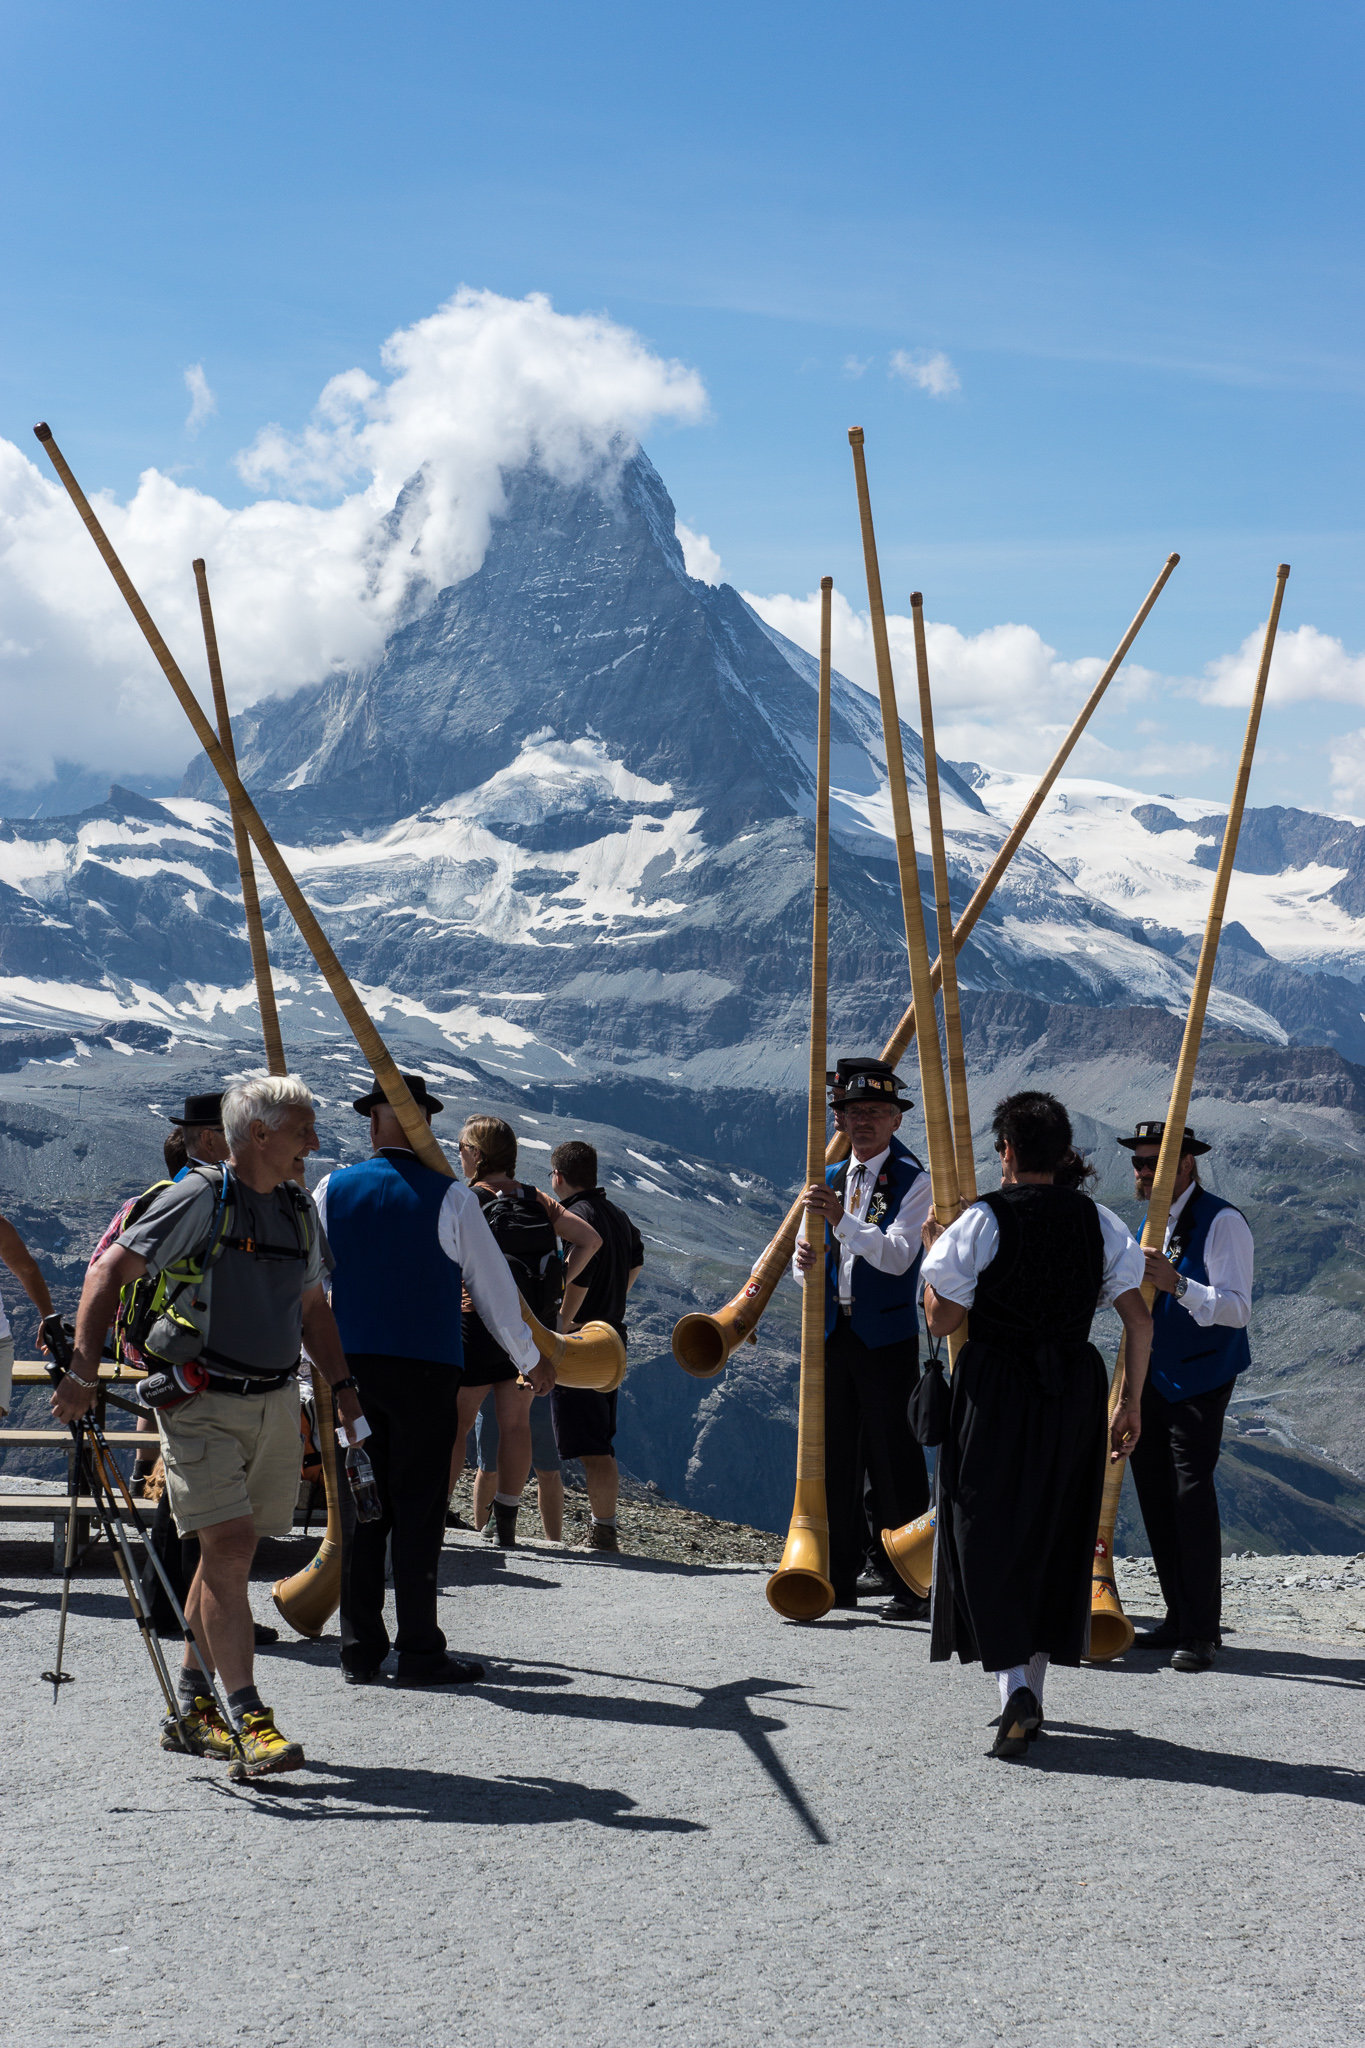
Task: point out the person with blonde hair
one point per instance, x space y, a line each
528 1227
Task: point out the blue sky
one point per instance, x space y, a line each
1134 233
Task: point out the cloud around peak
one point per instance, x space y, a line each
385 496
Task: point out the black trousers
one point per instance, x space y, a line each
410 1405
1173 1472
866 1393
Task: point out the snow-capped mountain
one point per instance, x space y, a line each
561 837
564 824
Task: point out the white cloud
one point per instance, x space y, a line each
857 366
1348 771
699 557
1001 696
203 404
1306 666
932 373
310 577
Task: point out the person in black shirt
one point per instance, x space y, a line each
585 1422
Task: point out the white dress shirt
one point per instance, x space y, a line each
893 1250
956 1262
464 1237
1229 1257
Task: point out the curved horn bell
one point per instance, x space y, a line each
911 1550
310 1598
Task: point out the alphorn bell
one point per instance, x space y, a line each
595 1357
309 1598
702 1343
1111 1632
800 1588
246 867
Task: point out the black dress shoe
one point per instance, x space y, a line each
1165 1636
1194 1656
1020 1721
362 1674
904 1606
450 1671
872 1583
264 1634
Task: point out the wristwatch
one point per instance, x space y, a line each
1182 1281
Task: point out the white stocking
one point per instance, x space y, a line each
1010 1681
1037 1672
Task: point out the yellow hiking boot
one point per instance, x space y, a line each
201 1732
265 1748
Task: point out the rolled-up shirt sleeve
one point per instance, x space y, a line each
1229 1260
1124 1265
895 1249
955 1261
464 1236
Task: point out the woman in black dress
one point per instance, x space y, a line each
1021 1470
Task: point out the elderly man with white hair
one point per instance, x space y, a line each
236 1259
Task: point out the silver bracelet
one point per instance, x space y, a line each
72 1374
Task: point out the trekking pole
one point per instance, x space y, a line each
55 1335
116 1517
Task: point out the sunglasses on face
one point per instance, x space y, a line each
1145 1162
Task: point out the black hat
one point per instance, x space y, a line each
1152 1134
417 1088
204 1110
866 1080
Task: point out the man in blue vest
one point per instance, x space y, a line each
406 1241
876 1203
1199 1345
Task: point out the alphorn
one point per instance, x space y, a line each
1111 1632
702 1343
938 1136
246 867
963 1156
309 1598
800 1588
593 1358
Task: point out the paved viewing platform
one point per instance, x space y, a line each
669 1818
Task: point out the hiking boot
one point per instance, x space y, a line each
265 1748
200 1732
601 1536
505 1526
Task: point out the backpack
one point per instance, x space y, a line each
150 1327
526 1238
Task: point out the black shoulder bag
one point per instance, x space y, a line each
929 1404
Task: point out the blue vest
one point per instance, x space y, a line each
884 1310
1186 1359
394 1291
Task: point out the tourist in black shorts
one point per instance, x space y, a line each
585 1422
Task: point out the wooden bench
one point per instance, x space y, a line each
54 1506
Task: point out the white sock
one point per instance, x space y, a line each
1037 1671
1010 1681
507 1500
605 1521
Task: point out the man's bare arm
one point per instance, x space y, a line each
24 1267
323 1339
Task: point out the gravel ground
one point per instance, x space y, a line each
668 1818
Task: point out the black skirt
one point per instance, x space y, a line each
1019 1480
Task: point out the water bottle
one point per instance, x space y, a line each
360 1472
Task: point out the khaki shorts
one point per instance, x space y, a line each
229 1455
6 1374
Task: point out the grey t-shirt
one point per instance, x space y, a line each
252 1301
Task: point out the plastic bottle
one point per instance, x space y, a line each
360 1472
